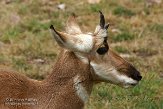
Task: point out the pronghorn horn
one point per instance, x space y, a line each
102 20
106 26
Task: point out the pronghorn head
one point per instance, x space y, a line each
93 49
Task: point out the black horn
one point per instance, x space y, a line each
102 20
106 26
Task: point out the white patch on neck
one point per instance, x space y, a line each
82 58
112 75
80 90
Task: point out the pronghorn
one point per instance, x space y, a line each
84 60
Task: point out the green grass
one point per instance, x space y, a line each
158 28
122 11
11 34
123 37
142 96
95 7
2 59
121 49
20 63
140 34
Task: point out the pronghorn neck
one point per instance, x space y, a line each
71 72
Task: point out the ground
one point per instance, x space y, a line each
135 32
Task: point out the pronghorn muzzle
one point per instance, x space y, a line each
135 74
131 72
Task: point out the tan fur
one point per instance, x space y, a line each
55 92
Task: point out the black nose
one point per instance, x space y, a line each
135 74
139 77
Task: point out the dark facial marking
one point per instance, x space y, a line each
135 74
131 72
103 50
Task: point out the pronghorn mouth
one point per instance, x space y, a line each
128 85
133 84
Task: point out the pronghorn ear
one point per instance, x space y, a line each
77 43
71 26
58 36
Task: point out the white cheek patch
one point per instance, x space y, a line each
126 80
103 72
84 42
112 75
80 90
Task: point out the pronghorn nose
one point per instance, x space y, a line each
135 74
139 77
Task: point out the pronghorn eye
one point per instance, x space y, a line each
102 50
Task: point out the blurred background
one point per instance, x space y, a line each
135 32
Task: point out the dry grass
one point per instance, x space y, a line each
136 30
